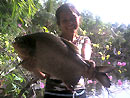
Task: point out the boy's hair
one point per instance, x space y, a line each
65 7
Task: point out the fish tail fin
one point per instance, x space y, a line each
101 76
99 73
103 79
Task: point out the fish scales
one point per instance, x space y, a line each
53 57
46 53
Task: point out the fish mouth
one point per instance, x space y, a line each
14 43
18 40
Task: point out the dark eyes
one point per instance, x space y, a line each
72 19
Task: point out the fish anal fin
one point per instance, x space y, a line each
71 83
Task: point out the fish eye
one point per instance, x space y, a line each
16 39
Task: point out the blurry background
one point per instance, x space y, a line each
106 22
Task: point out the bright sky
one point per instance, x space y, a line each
109 10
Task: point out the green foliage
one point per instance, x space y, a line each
110 42
16 12
110 47
46 17
15 17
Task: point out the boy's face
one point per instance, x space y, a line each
69 21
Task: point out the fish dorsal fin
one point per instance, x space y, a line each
70 45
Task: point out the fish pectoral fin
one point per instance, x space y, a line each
41 75
103 79
69 86
70 45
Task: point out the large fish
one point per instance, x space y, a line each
44 53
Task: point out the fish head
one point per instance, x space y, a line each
24 46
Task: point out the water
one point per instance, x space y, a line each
115 91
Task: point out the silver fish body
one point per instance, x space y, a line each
54 56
